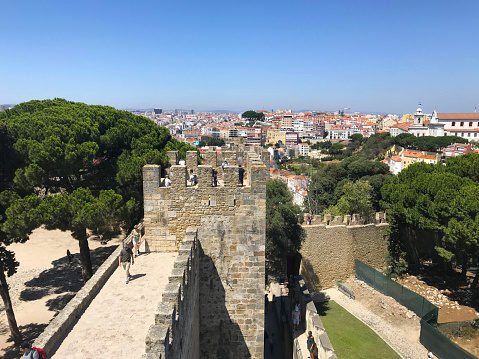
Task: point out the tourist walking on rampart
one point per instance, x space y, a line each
240 175
296 317
215 178
136 234
193 178
310 343
126 259
223 165
182 162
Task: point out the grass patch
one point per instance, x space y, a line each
350 337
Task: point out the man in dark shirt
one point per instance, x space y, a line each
241 175
310 344
126 259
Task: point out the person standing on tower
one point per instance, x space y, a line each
240 175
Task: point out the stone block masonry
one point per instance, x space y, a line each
330 248
175 333
231 224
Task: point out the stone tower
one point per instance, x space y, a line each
230 222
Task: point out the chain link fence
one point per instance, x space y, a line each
430 337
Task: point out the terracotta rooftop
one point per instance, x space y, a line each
458 116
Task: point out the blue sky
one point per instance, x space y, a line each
381 55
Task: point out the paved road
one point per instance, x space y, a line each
115 324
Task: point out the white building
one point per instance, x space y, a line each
303 149
419 128
343 132
464 125
395 164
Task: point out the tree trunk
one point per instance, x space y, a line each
85 260
12 322
465 260
474 282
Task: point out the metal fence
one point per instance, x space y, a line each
411 300
430 337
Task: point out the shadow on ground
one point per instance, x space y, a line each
322 308
64 278
30 332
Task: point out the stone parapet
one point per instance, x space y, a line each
175 332
172 158
205 176
178 176
313 321
348 220
231 176
191 160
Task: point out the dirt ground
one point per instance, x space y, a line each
449 310
387 308
45 281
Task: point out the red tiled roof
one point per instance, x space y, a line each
458 116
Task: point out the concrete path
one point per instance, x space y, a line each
115 324
302 338
272 347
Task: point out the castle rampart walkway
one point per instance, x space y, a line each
116 322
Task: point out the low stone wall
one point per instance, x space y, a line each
54 333
313 322
175 333
329 251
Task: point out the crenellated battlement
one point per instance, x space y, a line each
168 211
347 220
231 229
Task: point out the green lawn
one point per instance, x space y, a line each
350 337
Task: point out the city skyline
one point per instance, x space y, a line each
369 56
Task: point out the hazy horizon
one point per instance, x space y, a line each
370 56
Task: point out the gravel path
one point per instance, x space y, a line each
395 337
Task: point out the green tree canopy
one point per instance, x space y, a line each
426 143
433 213
253 115
284 234
66 146
355 198
212 141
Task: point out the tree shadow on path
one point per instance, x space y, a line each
30 332
64 278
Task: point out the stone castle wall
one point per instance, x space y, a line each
231 235
175 333
329 251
